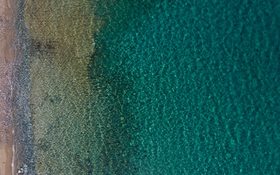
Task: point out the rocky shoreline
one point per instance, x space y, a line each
21 99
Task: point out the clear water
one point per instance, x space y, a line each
172 87
192 87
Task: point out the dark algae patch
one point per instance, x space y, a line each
117 150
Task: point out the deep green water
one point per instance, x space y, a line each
190 87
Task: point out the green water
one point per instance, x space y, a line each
194 86
174 87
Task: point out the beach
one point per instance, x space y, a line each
7 59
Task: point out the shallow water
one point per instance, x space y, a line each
162 87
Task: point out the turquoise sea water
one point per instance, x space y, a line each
177 87
191 87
